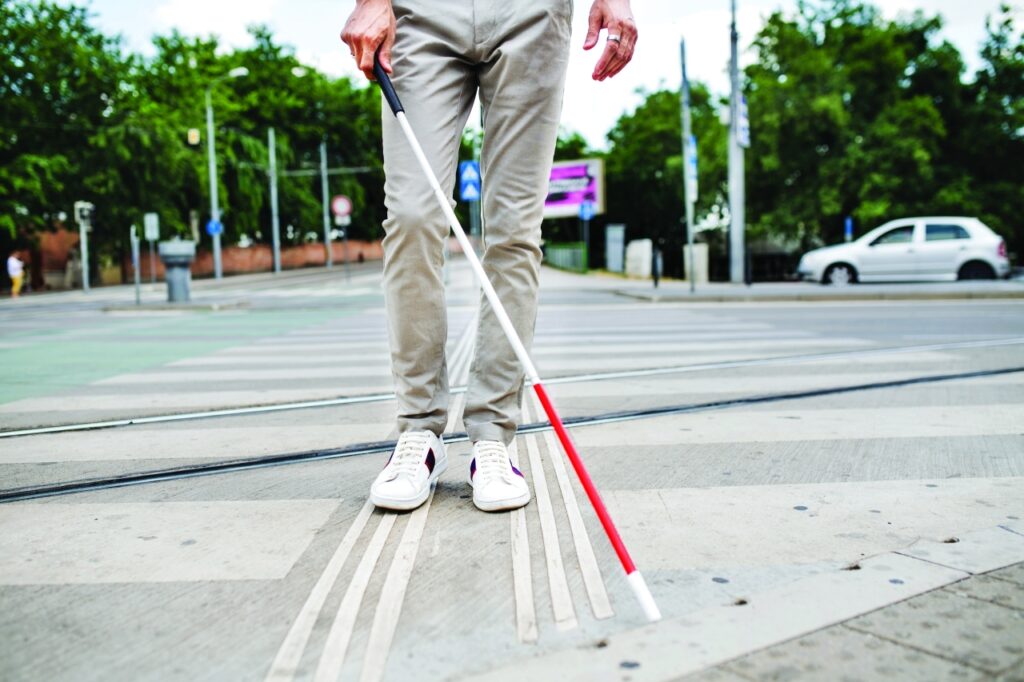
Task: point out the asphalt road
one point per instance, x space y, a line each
743 448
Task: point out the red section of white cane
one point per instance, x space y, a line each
636 581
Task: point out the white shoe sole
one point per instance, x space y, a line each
503 505
408 504
506 504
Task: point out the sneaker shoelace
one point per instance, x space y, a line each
492 463
408 457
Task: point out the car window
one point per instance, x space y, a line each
897 235
937 233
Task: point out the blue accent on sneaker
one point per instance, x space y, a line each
518 472
472 468
430 461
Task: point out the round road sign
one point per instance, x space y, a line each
341 205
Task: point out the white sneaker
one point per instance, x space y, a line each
497 485
418 460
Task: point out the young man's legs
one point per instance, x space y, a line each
521 90
437 88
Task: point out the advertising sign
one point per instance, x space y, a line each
571 184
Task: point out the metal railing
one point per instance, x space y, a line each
571 256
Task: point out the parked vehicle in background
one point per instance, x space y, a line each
935 249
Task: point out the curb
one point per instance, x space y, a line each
683 646
826 298
175 307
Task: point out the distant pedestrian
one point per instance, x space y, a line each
16 271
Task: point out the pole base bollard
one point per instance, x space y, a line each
177 257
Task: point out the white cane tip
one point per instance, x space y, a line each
644 596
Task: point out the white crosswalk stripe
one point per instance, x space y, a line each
349 581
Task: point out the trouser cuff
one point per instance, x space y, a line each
490 432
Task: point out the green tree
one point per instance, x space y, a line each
644 169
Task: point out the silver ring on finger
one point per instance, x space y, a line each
615 39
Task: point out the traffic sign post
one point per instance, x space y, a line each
151 225
341 205
470 192
214 228
83 216
587 209
743 125
135 262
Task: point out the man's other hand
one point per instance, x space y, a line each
371 25
616 17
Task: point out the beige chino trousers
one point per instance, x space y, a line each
514 53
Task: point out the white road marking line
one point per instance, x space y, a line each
561 598
682 345
296 358
522 574
389 604
333 656
188 443
286 662
392 595
128 400
592 579
802 422
198 377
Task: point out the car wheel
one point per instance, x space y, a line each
839 275
976 270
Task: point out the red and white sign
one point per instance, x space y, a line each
341 205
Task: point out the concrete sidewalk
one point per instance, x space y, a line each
674 291
951 610
808 438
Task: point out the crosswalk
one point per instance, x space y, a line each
715 505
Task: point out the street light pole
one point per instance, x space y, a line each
324 191
212 153
275 220
689 185
214 200
737 248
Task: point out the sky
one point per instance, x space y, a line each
312 27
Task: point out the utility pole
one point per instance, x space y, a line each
326 201
737 248
214 199
275 218
689 183
212 153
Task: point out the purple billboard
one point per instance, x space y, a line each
571 183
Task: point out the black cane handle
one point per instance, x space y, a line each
385 85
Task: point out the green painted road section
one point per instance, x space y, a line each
47 361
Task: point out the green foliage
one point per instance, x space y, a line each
83 120
855 115
644 169
850 114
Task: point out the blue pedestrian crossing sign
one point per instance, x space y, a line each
214 227
586 210
469 181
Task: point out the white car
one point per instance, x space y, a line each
936 249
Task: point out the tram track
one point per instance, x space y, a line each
256 409
282 459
